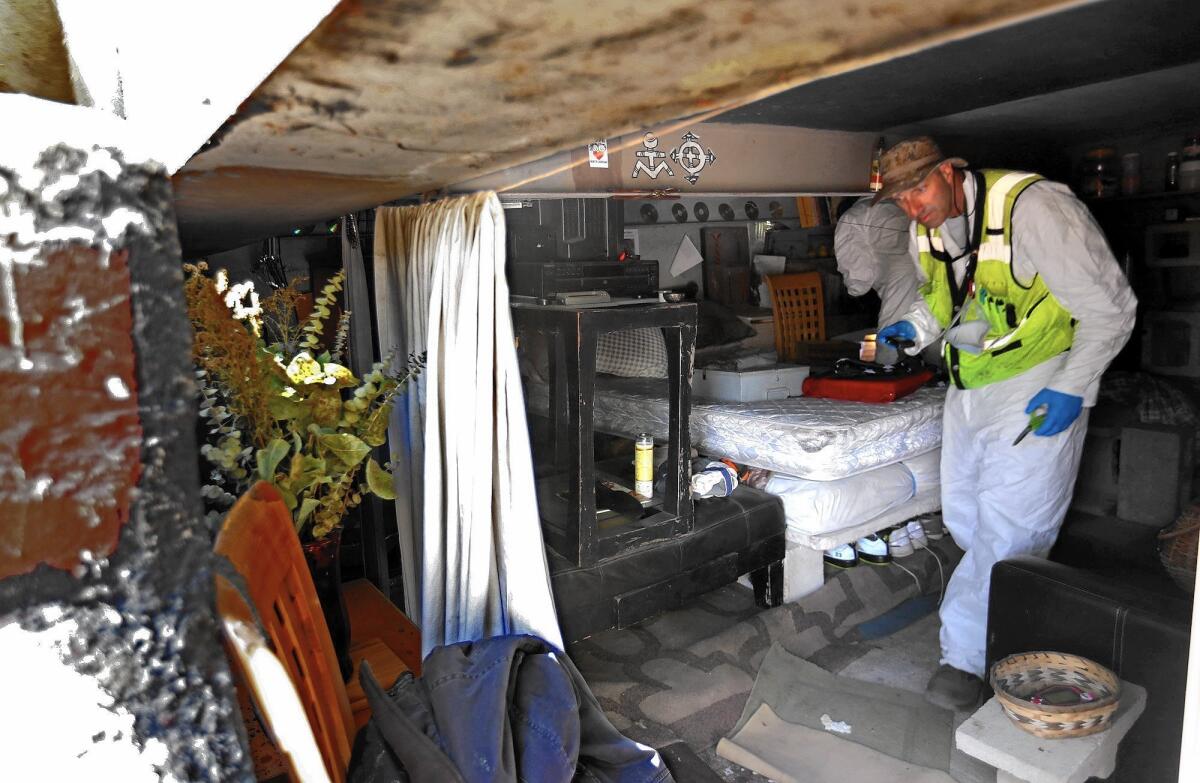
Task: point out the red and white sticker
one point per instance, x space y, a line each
598 154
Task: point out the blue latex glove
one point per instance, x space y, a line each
901 330
1061 410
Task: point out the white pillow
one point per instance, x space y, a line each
632 353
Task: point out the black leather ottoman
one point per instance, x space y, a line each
742 533
1141 635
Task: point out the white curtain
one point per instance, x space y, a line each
473 560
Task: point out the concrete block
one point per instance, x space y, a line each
992 737
1096 484
1155 473
803 572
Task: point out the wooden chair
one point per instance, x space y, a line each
259 540
799 304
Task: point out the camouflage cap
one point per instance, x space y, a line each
906 163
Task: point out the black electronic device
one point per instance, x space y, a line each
618 279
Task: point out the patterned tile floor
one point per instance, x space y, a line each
685 675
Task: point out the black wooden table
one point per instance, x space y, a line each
567 501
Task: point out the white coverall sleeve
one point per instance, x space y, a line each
1055 235
919 314
856 258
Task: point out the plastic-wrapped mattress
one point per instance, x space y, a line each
807 437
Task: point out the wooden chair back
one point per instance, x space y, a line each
268 684
799 304
259 540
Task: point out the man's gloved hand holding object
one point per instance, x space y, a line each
901 331
1061 410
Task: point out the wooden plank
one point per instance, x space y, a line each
373 616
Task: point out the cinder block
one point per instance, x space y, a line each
1155 479
803 572
1096 485
992 737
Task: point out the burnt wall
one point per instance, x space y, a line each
105 556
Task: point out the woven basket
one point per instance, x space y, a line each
1018 677
1177 548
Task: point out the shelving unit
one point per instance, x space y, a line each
1173 244
567 499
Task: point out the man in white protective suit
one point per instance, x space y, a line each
1019 283
871 244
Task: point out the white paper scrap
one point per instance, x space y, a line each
767 265
838 726
686 257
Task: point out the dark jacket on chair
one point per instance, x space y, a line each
510 708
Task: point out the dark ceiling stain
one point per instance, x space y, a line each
331 109
461 57
333 84
666 25
251 107
488 40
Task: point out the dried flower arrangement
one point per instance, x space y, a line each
278 408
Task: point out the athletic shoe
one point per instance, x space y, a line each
935 529
898 542
954 689
842 556
916 534
873 549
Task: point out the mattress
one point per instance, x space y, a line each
822 507
806 437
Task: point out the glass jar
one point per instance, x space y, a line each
1099 175
1189 164
1171 180
1131 173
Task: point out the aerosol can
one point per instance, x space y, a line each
643 465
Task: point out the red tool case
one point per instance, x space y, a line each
865 389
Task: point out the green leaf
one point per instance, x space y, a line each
283 409
269 458
325 405
305 471
374 431
346 449
380 481
289 499
307 506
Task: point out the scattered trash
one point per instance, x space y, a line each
714 480
838 726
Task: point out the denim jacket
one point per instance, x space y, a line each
510 708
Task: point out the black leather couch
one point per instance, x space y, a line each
1129 618
739 534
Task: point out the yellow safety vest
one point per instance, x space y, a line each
1026 324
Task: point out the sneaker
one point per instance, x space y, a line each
873 549
916 534
935 529
842 556
954 689
898 542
